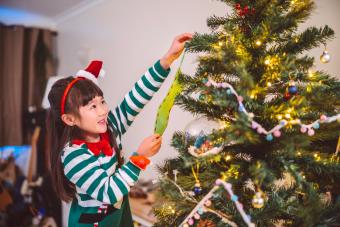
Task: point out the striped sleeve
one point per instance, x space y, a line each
123 115
83 170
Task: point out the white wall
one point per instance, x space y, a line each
130 35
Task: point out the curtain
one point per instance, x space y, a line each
27 60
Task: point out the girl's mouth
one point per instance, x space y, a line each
102 122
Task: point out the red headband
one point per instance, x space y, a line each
69 86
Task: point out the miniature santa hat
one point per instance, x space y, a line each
92 72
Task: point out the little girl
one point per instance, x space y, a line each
86 161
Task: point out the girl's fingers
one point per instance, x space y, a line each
184 37
155 136
158 143
156 139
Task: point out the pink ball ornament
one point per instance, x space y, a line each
197 216
277 133
191 221
208 203
303 129
323 117
311 132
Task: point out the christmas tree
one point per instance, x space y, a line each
263 148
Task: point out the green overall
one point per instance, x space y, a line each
119 218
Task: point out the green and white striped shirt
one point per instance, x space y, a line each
96 178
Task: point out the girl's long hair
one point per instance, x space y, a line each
59 134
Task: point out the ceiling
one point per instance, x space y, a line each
48 8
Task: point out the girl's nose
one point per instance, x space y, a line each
102 110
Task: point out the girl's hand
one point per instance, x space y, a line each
150 145
175 50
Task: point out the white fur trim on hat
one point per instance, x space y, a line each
87 75
101 73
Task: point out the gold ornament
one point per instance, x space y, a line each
258 200
325 57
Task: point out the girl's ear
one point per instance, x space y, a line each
68 119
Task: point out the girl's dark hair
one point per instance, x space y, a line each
81 93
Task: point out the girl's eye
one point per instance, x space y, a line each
93 106
103 102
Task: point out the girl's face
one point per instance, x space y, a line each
93 118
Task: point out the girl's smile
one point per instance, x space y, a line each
102 122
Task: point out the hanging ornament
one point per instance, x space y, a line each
287 96
258 200
325 57
292 88
245 11
197 188
200 128
201 125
